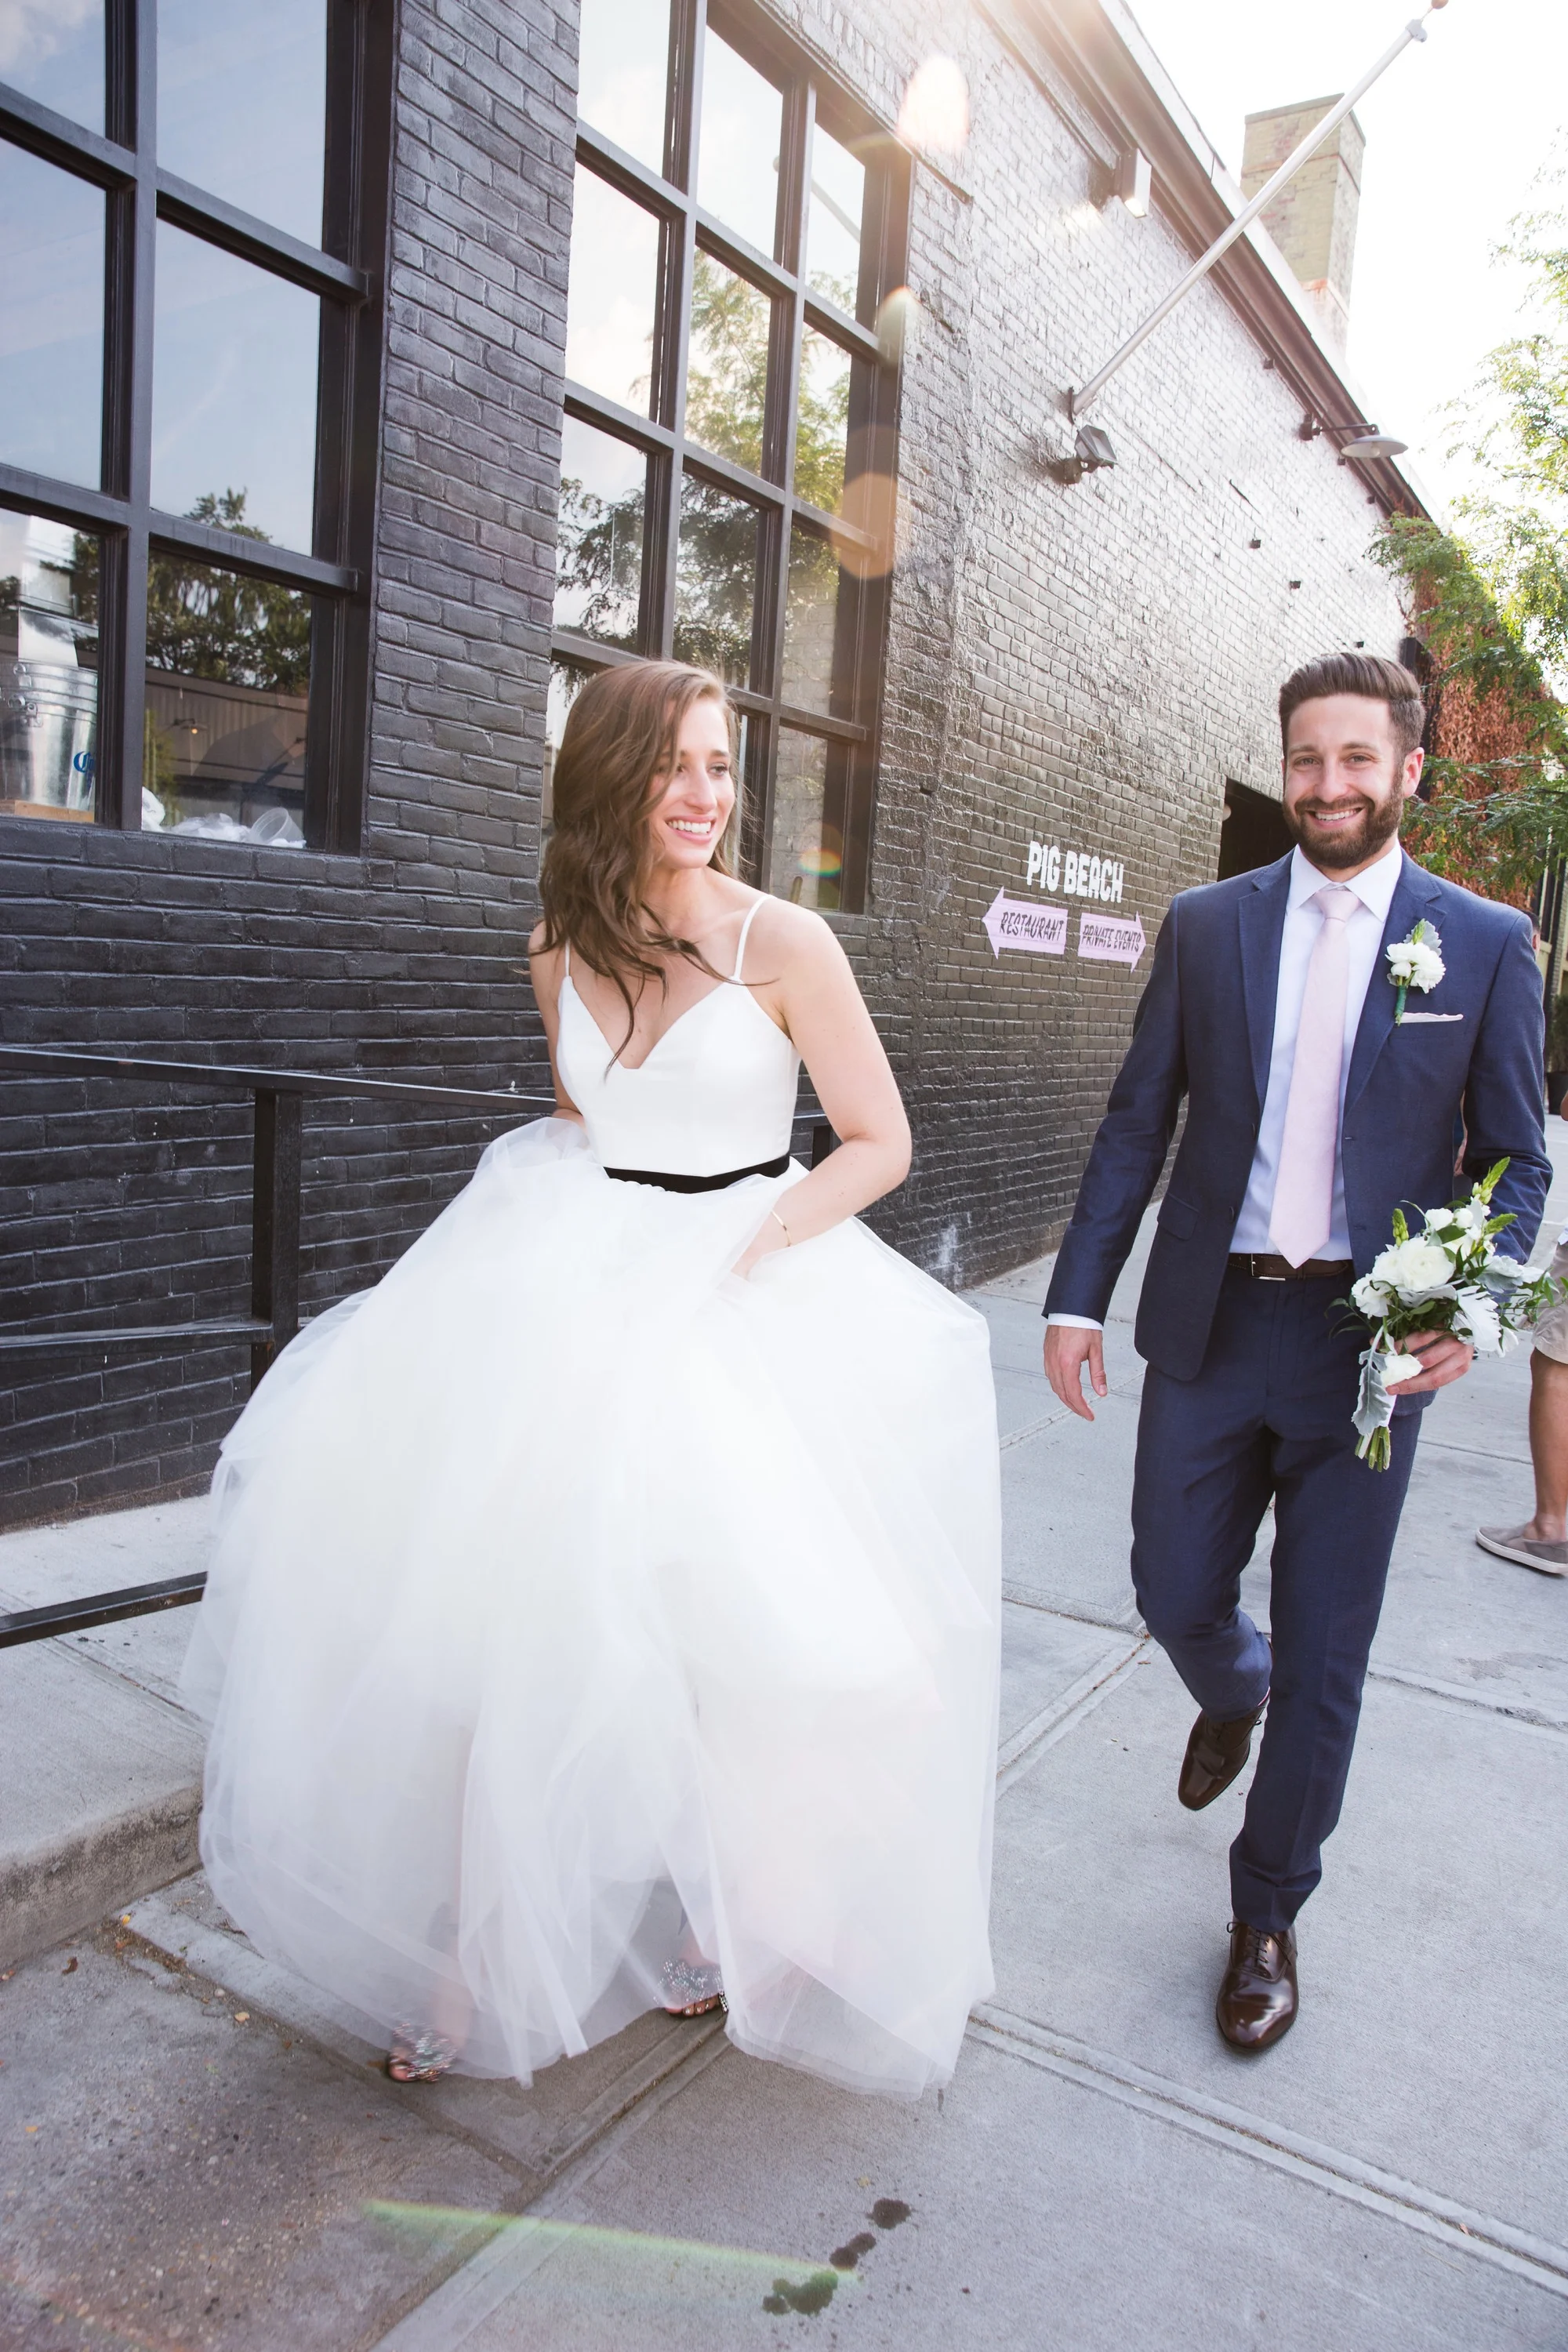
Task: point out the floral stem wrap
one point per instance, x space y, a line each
1451 1277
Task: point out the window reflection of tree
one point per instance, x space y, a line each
822 423
599 543
727 368
204 623
811 622
840 292
600 539
716 581
208 630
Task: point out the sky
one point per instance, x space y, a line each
1456 131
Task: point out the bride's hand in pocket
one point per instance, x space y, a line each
770 1236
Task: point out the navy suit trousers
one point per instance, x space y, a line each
1268 1418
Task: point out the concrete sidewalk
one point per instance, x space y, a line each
195 2149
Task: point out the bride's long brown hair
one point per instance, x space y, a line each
620 734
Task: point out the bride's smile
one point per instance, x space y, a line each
693 804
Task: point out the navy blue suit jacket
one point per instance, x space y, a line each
1204 1029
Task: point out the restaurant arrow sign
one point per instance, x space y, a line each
1025 923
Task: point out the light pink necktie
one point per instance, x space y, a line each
1304 1188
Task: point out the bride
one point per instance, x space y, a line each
603 1610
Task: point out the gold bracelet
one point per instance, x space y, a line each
783 1228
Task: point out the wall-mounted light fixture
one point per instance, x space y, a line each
1374 445
1365 440
1092 450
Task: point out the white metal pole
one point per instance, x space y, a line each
1415 31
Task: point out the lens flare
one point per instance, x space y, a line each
898 322
934 115
622 2263
870 506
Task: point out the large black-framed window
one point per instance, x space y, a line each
192 207
728 449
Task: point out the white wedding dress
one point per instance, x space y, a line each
566 1583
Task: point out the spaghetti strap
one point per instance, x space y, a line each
566 958
741 951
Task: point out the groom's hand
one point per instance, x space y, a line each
1446 1359
1069 1346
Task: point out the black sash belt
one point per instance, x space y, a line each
698 1184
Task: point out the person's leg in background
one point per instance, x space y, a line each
1542 1542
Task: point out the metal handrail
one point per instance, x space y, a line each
279 1097
230 1077
100 1608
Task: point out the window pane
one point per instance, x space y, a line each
598 555
565 684
228 679
716 581
242 104
817 615
49 667
234 393
53 49
612 294
833 222
51 318
727 366
622 70
822 422
741 131
807 861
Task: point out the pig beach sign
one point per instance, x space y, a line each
1032 926
1076 873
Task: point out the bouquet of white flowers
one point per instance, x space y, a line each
1448 1277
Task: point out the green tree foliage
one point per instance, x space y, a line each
203 621
727 375
1492 597
601 539
599 544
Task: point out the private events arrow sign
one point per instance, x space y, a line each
1025 923
1110 939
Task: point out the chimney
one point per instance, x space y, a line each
1313 221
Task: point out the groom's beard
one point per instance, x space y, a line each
1331 846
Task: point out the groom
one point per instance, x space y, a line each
1312 1114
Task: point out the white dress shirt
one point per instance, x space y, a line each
1363 935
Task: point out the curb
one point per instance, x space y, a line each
67 1886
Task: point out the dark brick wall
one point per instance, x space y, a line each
1084 666
1080 665
126 1204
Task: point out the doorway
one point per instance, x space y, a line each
1254 832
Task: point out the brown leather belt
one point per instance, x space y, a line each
1264 1268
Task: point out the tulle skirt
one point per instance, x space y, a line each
576 1604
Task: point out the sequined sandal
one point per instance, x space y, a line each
691 1990
419 2057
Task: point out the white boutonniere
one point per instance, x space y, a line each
1415 962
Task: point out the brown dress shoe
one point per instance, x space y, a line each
1215 1754
1258 1997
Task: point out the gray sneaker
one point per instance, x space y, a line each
1513 1543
